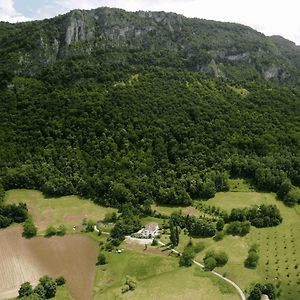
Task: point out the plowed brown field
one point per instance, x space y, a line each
73 256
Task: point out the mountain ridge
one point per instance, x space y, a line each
220 49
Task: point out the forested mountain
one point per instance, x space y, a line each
130 107
288 49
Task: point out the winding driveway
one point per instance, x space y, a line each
239 290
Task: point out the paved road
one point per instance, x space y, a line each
239 290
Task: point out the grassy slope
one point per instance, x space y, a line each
69 210
277 245
158 277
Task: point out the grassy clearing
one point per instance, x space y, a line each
240 185
240 91
230 200
279 256
69 210
158 277
152 219
168 210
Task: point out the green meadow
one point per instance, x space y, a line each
157 277
68 210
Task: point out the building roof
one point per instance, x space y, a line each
151 226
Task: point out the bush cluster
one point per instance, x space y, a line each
214 259
253 257
10 213
45 289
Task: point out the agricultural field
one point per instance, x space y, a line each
158 277
68 210
278 246
156 271
72 256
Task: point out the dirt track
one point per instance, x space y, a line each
21 260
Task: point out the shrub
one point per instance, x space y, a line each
259 289
29 229
50 231
5 221
219 236
292 197
61 230
210 263
186 259
101 259
110 217
202 228
253 257
238 228
25 290
109 246
259 216
220 224
49 285
90 226
60 280
220 258
116 242
130 284
154 242
40 291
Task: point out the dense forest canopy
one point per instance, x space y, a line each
142 128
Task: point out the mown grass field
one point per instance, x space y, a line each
69 210
230 200
158 277
278 246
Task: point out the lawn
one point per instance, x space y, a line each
158 277
278 246
68 210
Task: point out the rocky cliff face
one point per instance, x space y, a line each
220 49
80 28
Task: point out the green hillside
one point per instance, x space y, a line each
114 106
156 134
